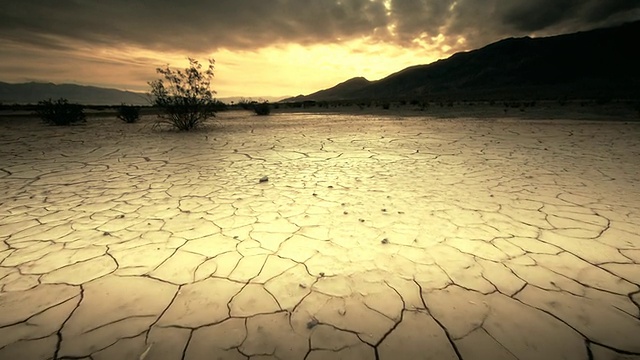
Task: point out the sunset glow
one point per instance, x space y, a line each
283 69
262 49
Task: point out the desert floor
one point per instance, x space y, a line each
375 237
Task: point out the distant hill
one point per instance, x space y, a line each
32 92
337 92
237 99
599 63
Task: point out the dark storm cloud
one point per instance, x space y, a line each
535 15
602 10
190 25
413 17
202 26
528 15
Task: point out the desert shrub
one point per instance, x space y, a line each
129 113
219 106
262 109
245 104
60 112
186 100
386 106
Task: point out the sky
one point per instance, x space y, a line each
268 47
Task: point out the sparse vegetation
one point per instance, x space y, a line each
262 109
129 113
185 100
60 112
246 104
295 105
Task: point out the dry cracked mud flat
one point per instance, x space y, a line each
374 238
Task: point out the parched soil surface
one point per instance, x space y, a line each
374 237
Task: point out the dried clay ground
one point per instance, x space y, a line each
375 237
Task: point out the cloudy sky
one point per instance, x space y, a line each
268 47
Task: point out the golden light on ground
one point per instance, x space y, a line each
377 236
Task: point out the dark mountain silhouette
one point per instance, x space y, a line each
32 92
600 63
349 86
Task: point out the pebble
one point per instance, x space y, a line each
311 324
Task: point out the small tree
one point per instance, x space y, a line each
185 100
60 112
129 113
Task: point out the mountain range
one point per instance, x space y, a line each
32 92
601 63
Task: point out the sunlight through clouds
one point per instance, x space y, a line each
280 70
280 48
309 68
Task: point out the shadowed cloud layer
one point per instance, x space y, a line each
207 25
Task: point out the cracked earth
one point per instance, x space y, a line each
374 237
